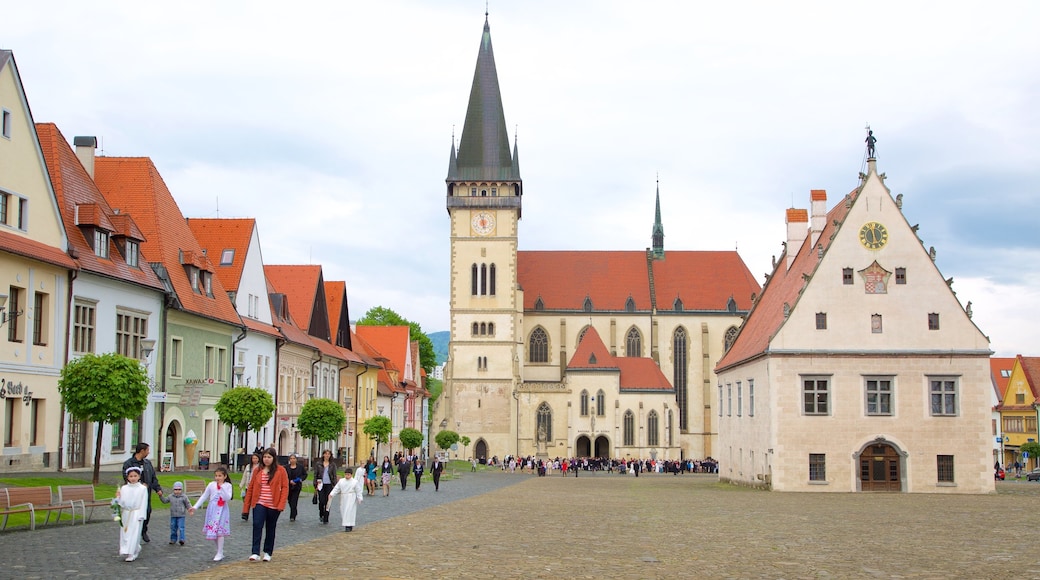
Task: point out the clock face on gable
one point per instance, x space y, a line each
873 236
483 223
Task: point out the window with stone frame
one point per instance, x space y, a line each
652 428
944 468
680 374
817 467
879 396
601 403
933 321
821 321
629 435
83 326
131 329
943 395
633 343
816 395
41 316
538 346
584 403
544 432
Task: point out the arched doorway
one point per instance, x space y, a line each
880 468
602 446
170 444
480 451
582 447
283 441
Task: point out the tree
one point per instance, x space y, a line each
321 418
379 429
245 408
445 439
103 389
410 438
465 443
380 316
1031 447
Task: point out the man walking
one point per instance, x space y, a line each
403 467
436 469
140 460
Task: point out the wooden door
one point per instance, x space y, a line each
879 469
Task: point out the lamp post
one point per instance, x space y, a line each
147 347
4 317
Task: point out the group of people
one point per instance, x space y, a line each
574 465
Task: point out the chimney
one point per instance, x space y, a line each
797 228
818 208
85 147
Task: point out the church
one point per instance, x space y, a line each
574 353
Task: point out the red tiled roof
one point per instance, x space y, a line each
260 327
75 189
334 292
636 373
701 280
369 355
391 341
218 234
1031 369
1000 382
783 287
133 185
300 285
30 248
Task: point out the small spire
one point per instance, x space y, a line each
658 232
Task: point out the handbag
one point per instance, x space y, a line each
314 498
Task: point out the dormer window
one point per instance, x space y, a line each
193 276
227 257
100 243
132 253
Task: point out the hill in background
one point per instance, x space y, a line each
440 344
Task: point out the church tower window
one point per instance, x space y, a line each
476 329
538 346
633 343
491 281
483 279
474 281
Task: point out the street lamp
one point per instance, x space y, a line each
4 318
239 370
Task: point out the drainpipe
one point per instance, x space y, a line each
314 385
73 274
357 397
231 374
278 344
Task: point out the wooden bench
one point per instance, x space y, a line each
84 496
193 488
29 500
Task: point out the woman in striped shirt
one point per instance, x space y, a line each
266 496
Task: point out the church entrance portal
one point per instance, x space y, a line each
879 468
602 447
480 451
582 447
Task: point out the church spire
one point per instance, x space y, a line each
658 235
484 148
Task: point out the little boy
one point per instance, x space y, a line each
179 506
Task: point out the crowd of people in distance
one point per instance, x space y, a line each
630 466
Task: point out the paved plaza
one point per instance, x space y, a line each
497 525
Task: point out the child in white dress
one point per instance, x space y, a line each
218 517
351 491
132 498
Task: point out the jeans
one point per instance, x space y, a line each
176 529
264 518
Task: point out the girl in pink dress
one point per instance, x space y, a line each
218 518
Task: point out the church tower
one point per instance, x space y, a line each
484 192
658 233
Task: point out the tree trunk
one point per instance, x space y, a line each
97 451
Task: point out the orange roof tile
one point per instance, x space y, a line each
133 185
783 286
701 280
300 284
369 355
75 189
636 373
218 234
391 341
797 215
1000 382
262 328
32 249
1031 369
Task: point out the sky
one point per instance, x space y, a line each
331 123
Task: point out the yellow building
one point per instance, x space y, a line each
1018 410
35 274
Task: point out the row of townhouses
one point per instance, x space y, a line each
96 257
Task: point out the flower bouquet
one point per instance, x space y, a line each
117 511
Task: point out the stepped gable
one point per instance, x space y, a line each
133 185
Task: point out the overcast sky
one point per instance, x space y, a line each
331 123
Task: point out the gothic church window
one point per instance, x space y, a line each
677 305
584 403
474 280
633 343
630 305
587 306
680 374
731 335
630 429
491 329
544 422
491 281
538 346
651 429
601 403
581 335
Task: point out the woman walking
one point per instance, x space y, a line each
370 476
266 496
247 472
296 474
324 480
387 474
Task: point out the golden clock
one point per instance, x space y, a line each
873 236
483 223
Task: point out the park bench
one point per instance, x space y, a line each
84 496
14 500
193 488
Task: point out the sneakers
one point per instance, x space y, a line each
267 557
254 558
